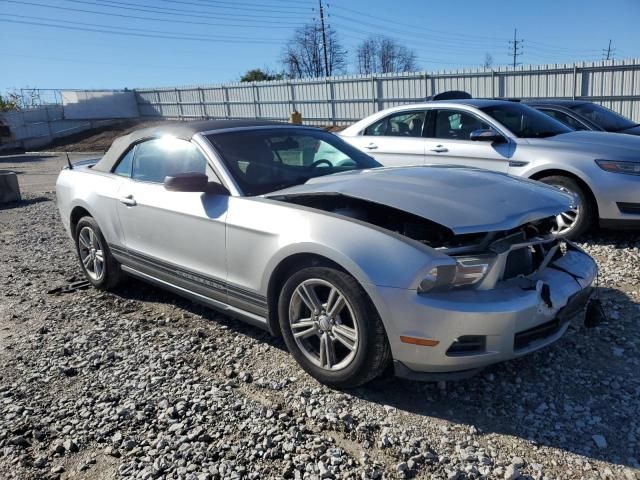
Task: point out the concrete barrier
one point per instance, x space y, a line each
9 188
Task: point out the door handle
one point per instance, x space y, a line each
440 149
128 201
371 146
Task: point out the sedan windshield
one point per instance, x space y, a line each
266 160
524 121
603 117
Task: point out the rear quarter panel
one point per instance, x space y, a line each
96 192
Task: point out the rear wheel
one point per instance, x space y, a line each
579 219
331 328
99 266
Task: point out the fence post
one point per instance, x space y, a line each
374 93
292 97
493 83
331 97
227 107
158 103
203 107
179 100
256 101
426 86
575 79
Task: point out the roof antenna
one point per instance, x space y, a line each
69 161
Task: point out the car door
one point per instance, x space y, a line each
177 236
395 140
448 141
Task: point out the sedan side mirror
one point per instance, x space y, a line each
487 135
186 182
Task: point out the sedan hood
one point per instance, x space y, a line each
465 200
602 141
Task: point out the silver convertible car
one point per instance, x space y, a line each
442 270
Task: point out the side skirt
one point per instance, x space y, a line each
243 315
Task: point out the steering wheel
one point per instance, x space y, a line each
317 163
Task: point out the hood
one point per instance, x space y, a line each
635 130
599 141
465 200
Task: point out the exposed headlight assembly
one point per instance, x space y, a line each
468 271
615 166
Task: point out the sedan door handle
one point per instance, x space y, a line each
440 149
128 201
371 146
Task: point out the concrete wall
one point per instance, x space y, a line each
94 105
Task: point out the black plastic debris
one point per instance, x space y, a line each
71 287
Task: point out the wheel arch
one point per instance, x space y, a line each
286 267
77 213
565 173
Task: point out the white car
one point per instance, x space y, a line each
601 169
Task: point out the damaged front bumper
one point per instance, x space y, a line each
466 330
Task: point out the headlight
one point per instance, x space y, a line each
466 272
614 166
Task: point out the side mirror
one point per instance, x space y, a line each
487 135
186 182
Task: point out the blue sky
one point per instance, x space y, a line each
234 36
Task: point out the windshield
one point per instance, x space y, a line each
524 121
266 160
603 117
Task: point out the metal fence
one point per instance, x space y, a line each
345 99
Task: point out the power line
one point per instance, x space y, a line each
241 6
183 13
516 47
137 32
152 19
421 28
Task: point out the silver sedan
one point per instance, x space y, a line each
602 170
440 270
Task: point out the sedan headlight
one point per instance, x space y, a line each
615 166
467 271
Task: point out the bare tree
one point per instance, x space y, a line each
303 55
384 55
488 61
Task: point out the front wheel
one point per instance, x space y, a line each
579 219
331 328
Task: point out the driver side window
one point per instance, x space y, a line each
456 124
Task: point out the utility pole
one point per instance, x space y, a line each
324 39
608 52
516 46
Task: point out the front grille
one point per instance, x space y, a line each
527 337
630 208
467 345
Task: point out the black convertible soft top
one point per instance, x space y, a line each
184 130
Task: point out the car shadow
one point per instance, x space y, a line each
134 289
21 158
561 396
24 202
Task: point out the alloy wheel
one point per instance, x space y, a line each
566 221
91 253
323 324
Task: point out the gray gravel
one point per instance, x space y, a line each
143 384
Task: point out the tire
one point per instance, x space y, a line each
585 214
356 359
105 274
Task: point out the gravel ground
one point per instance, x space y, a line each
143 384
